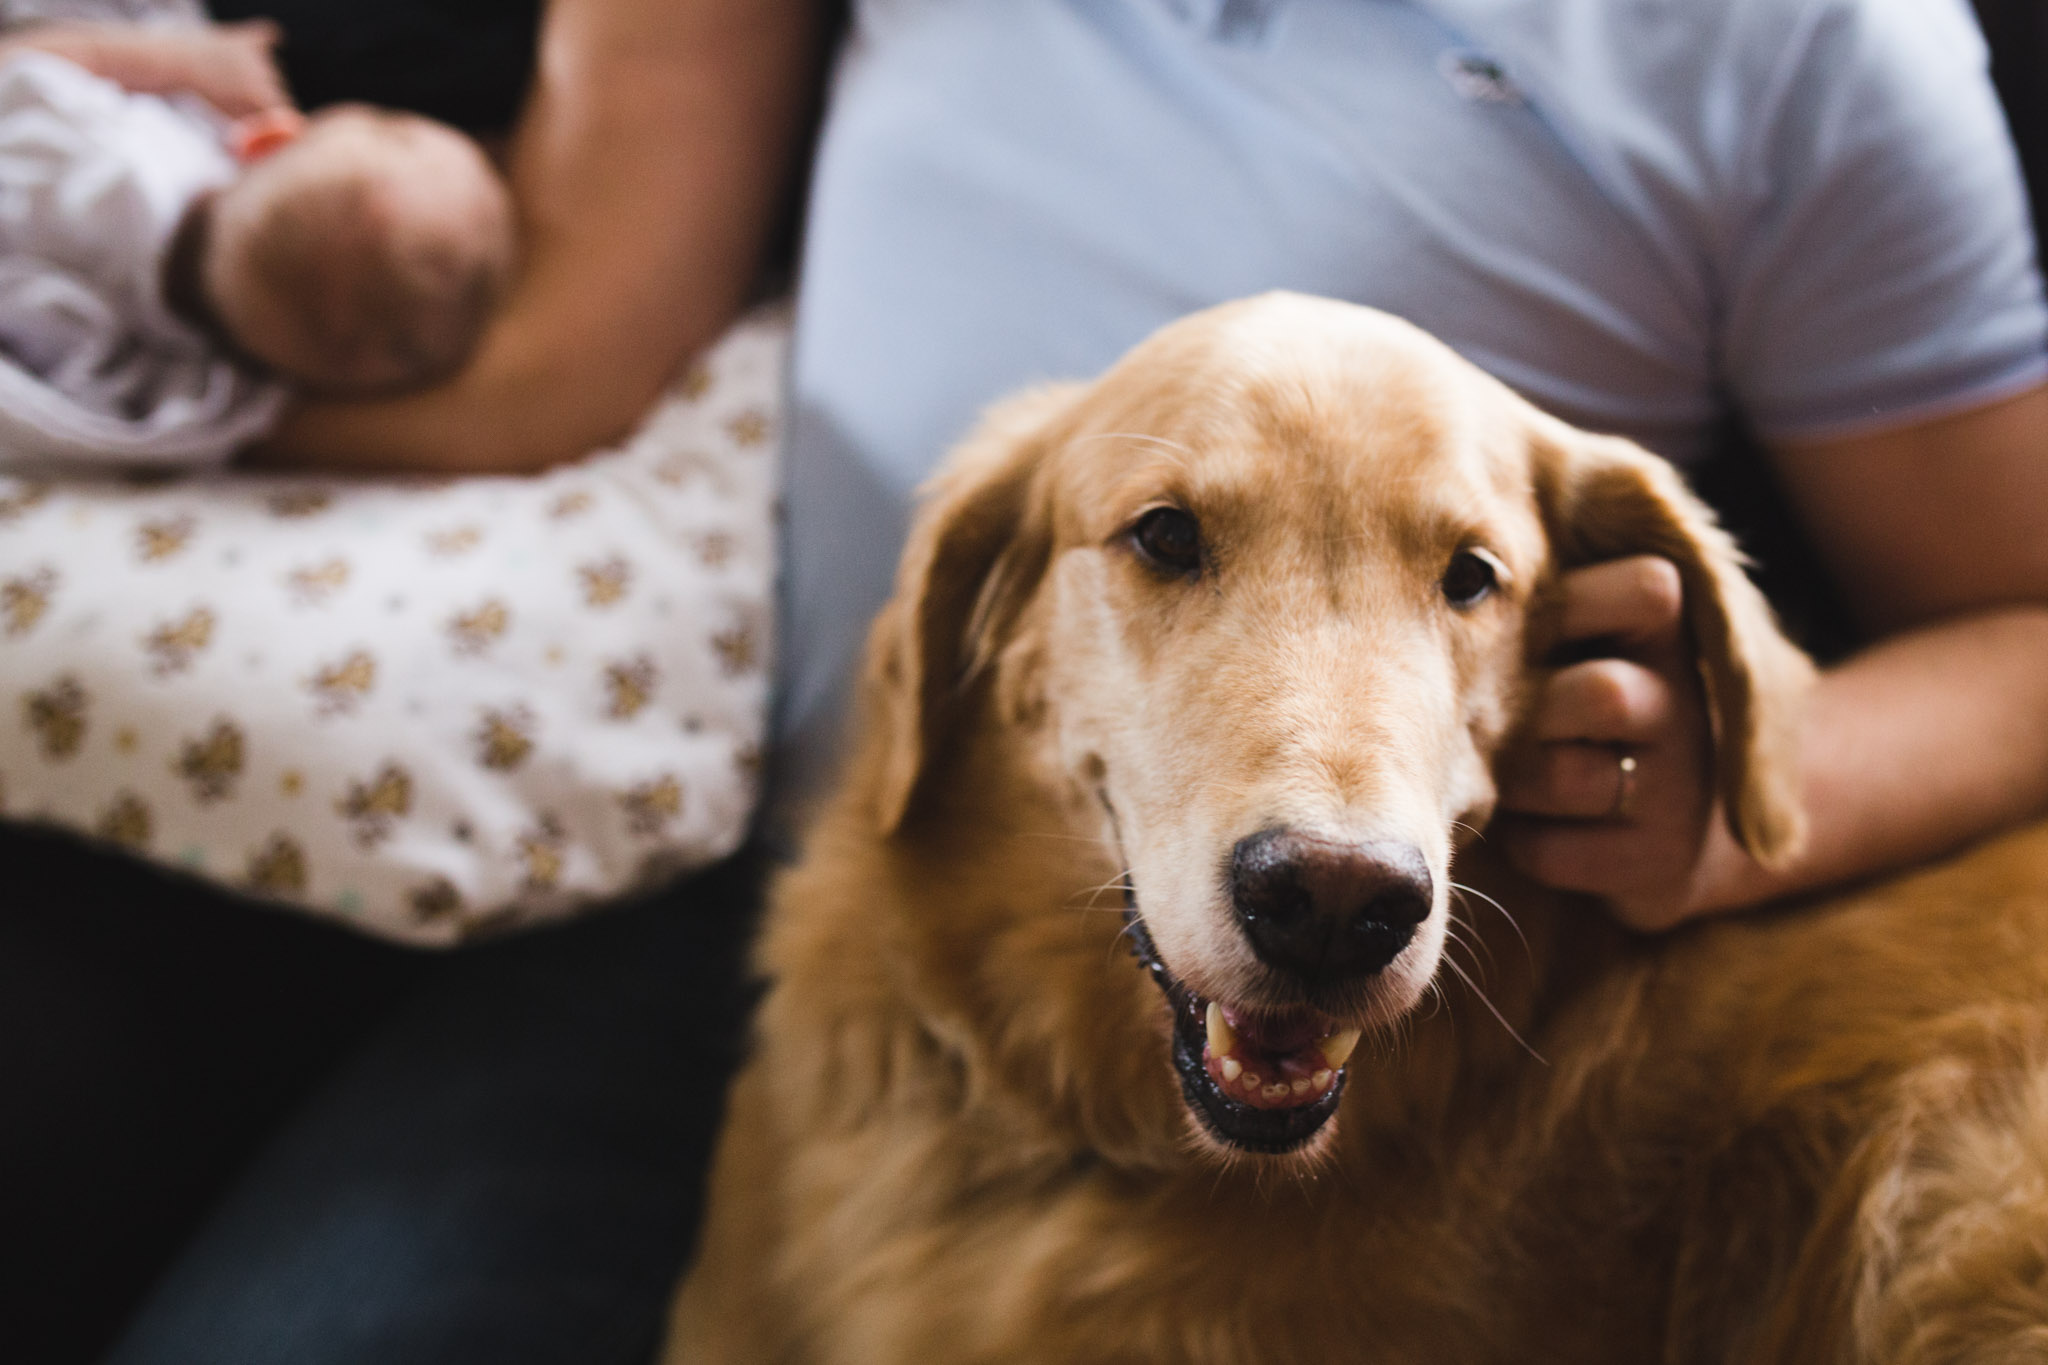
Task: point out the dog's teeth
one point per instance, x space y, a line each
1301 1086
1251 1081
1276 1092
1222 1037
1232 1068
1321 1079
1336 1048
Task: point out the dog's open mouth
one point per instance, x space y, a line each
1264 1082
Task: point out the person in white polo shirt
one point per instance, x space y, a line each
1652 216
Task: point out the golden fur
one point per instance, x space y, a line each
1818 1135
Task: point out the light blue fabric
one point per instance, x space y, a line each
1642 213
1833 177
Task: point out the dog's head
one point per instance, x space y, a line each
1266 596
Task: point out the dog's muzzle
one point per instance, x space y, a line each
1264 1082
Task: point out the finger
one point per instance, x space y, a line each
252 86
239 100
1638 601
269 94
1569 781
262 33
1605 701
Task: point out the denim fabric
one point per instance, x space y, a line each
509 1172
153 1032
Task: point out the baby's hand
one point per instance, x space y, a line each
230 66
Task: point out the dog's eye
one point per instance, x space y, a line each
1171 539
1471 579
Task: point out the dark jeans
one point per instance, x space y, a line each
345 1151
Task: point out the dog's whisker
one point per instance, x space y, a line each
1490 1009
1403 1033
1142 438
1465 890
1469 935
1479 968
1115 883
1453 941
1454 938
1128 932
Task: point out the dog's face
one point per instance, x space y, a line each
1266 597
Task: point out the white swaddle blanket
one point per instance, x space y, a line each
94 368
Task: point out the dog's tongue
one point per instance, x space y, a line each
1274 1061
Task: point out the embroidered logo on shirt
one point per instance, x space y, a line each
1479 78
1241 22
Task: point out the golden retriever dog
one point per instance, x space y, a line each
1105 1021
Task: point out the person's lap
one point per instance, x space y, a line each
152 1030
508 1171
495 1154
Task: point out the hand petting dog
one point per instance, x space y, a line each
1612 793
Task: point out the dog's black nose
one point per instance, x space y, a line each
1328 911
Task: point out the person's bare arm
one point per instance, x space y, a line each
1934 735
1938 733
655 148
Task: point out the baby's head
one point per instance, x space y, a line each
362 256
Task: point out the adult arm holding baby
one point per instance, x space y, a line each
653 153
173 270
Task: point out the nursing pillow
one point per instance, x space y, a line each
429 709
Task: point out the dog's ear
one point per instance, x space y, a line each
1606 498
975 552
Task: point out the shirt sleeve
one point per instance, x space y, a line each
1885 269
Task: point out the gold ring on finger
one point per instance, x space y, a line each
1624 803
